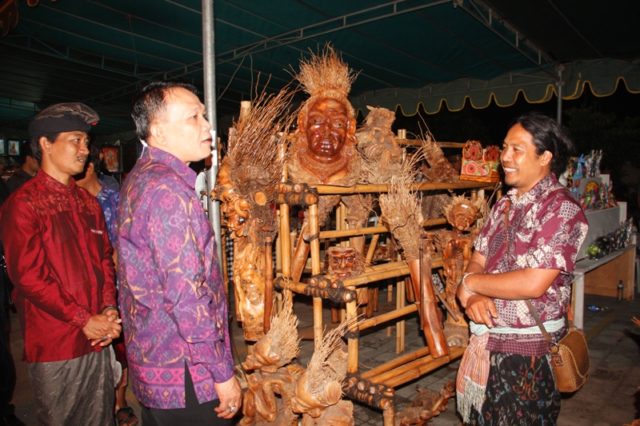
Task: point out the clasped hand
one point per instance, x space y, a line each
481 309
101 329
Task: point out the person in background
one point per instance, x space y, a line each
7 366
172 299
526 251
60 260
28 168
108 195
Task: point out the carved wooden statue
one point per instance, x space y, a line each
401 212
381 154
426 405
323 149
247 186
456 246
279 391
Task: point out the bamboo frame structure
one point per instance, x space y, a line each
405 367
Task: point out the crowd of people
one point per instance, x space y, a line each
112 282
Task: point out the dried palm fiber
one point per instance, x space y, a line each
401 210
326 75
359 208
253 142
437 167
283 333
381 155
329 361
280 345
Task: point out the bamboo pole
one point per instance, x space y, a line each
374 229
382 272
223 262
388 415
352 342
268 284
390 365
314 247
285 241
294 286
401 325
371 250
384 187
389 301
398 269
387 316
419 142
341 224
278 245
300 254
408 367
419 370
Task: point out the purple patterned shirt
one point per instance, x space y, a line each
173 305
546 229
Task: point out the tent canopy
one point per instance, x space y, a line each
434 52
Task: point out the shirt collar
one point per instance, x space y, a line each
535 193
159 156
54 183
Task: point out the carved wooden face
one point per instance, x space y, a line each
326 130
462 215
235 209
343 262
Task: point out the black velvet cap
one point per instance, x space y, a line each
64 117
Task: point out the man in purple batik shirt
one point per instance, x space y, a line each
173 304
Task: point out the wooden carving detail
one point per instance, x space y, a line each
402 213
381 154
323 148
372 394
457 245
438 167
247 186
426 405
324 145
280 392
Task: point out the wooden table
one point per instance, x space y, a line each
601 277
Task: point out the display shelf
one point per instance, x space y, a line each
601 277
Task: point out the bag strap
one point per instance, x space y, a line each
532 309
535 315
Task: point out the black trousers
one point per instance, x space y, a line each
194 414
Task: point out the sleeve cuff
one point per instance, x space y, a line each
80 318
222 373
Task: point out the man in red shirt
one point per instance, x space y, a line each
60 261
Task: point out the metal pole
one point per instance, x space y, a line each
209 62
559 84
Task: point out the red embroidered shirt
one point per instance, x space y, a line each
59 260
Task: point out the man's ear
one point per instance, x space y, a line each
156 135
45 144
546 158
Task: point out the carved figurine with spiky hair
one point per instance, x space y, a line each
246 185
323 150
